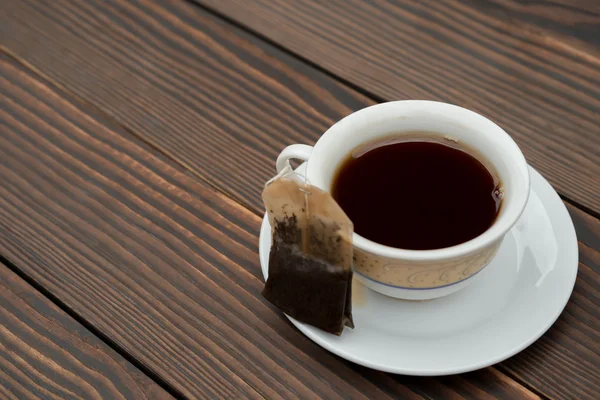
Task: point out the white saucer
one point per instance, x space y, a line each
514 301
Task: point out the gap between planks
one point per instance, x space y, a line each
106 340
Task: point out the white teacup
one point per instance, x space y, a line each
421 274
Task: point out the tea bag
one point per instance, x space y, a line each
310 264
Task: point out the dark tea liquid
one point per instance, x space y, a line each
417 195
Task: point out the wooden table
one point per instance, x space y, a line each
136 137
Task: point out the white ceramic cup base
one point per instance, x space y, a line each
408 294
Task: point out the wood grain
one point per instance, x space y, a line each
218 101
544 92
145 66
562 19
46 354
162 264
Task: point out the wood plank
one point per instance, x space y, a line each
586 227
219 102
46 354
162 264
543 91
562 19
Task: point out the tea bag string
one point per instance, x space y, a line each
307 216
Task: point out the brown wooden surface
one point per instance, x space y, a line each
211 97
131 182
541 90
576 22
162 264
46 354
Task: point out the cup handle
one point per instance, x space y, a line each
295 151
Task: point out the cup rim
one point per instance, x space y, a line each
499 228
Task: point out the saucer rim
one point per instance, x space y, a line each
313 333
